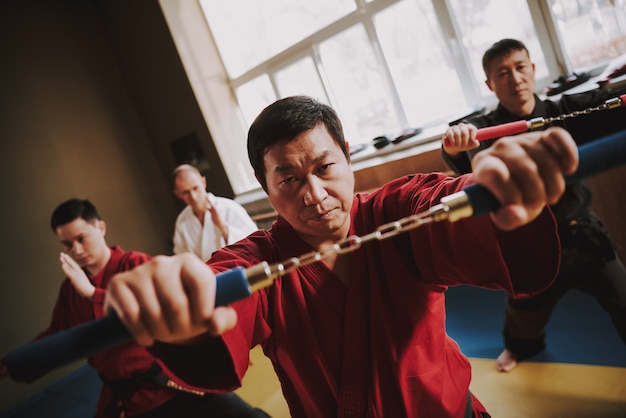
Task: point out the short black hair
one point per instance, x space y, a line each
285 119
500 49
72 209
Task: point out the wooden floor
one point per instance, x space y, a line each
550 390
261 387
532 390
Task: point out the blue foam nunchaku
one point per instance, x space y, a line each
593 158
32 360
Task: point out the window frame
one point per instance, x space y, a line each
215 90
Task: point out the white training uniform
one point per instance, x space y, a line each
204 240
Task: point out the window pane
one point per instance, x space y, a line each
593 31
254 96
248 32
483 22
300 78
424 76
358 86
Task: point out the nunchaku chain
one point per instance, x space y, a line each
260 274
451 207
608 104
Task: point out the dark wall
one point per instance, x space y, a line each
92 94
159 87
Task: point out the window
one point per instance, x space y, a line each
591 31
384 65
249 32
481 23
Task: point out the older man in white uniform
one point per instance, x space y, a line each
208 222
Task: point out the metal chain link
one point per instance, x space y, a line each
354 242
609 104
259 275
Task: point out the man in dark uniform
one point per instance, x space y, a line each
589 261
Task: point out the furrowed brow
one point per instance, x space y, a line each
281 168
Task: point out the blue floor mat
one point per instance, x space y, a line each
74 396
579 331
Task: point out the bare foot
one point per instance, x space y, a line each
506 361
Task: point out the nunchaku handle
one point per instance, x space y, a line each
497 131
511 128
30 361
593 158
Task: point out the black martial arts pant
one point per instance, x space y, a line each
590 264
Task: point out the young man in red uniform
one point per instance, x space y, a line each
134 383
361 334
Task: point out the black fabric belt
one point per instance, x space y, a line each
469 408
133 384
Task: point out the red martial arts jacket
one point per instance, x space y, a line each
379 347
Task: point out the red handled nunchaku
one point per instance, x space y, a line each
520 126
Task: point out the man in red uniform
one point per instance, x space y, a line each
134 383
361 334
